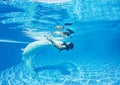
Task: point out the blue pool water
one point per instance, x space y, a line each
27 58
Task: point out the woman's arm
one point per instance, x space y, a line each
56 44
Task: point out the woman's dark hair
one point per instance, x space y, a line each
71 45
